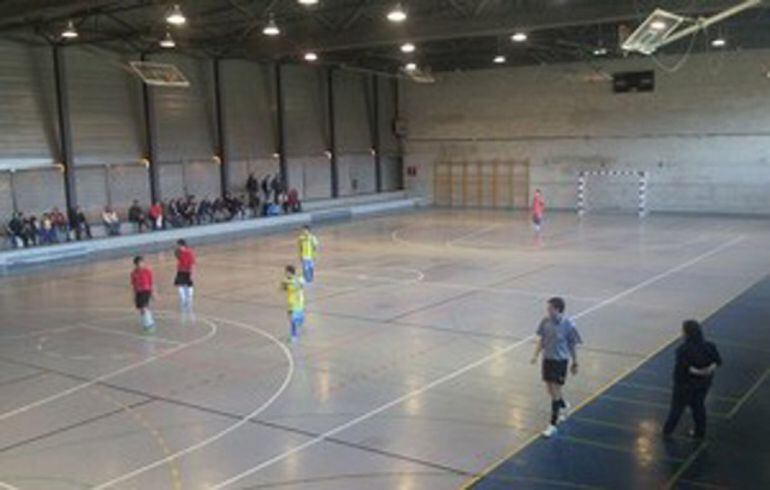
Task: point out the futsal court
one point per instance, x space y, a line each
412 371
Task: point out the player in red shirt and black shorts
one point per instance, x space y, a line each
185 262
142 284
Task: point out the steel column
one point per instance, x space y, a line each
332 133
222 154
66 158
151 138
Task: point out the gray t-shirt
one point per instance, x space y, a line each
559 337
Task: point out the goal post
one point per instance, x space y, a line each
642 180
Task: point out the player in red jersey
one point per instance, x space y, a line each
185 262
142 283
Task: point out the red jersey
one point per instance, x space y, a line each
141 279
155 211
538 206
185 259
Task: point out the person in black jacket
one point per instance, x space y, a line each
696 362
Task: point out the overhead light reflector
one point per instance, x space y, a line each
271 28
311 56
410 66
499 59
69 32
408 48
397 14
175 17
167 42
719 42
519 37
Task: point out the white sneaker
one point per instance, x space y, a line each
564 412
550 431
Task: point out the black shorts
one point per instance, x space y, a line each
555 371
183 279
142 299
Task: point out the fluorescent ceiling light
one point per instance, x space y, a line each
408 48
311 56
499 59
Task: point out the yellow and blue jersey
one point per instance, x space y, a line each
295 294
308 246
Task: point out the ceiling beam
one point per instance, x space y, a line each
424 29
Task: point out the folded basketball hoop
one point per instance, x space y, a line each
662 28
159 74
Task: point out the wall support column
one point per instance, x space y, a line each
151 139
375 128
335 187
221 130
66 158
280 124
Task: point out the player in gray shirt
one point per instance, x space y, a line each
558 339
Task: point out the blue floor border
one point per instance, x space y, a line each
614 441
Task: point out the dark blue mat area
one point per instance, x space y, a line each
614 441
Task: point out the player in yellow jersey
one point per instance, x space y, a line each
295 299
308 249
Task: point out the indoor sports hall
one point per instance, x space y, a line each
370 244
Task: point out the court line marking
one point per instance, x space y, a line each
486 471
685 466
469 367
748 394
146 338
244 420
43 401
7 486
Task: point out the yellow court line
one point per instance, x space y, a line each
478 477
625 428
658 389
608 447
487 470
748 394
685 466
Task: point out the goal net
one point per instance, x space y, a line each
610 191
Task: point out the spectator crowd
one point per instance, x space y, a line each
264 197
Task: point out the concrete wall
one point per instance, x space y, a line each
704 134
108 129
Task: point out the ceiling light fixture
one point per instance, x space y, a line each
600 51
167 42
308 2
658 25
410 67
499 59
397 14
719 42
519 37
271 28
175 17
69 32
408 48
311 56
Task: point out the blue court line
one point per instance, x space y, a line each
614 440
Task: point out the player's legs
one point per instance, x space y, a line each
308 270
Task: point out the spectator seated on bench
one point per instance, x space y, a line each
111 221
137 217
79 224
